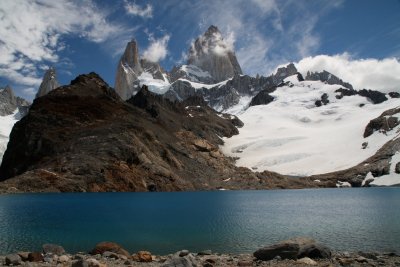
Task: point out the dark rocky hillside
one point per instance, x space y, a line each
83 137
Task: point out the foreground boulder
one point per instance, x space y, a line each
53 249
296 248
109 247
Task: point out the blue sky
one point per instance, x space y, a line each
90 35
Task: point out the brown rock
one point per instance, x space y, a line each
143 256
245 263
110 247
35 257
24 255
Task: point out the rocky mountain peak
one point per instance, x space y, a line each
211 53
9 102
131 57
212 30
49 82
284 72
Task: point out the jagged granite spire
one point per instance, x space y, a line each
49 82
9 102
128 71
211 53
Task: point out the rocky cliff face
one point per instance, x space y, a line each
128 71
83 137
49 82
9 102
211 53
327 77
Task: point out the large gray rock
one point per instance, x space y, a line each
211 53
49 82
181 261
53 249
13 259
296 248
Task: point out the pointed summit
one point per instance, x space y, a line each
128 71
211 53
49 82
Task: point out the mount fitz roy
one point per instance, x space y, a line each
165 131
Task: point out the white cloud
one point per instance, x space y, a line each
30 91
31 33
382 75
157 49
136 10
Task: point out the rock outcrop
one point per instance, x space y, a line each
211 53
262 98
378 164
295 248
49 82
9 102
327 77
83 137
284 72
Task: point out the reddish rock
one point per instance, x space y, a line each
144 256
35 257
110 247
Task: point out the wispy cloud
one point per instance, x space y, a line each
134 9
32 31
264 27
383 75
157 49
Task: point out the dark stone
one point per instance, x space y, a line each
285 251
300 77
375 97
380 171
262 98
382 124
394 95
13 259
318 103
397 169
183 253
364 145
324 98
80 263
53 249
294 249
35 257
315 251
205 252
345 92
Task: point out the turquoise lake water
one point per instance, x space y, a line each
224 221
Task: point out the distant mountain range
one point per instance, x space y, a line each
202 125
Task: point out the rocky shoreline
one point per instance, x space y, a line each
294 252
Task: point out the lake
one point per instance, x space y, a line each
224 221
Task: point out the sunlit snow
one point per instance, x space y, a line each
292 136
6 124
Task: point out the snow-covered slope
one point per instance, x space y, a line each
6 124
293 136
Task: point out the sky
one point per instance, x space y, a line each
357 40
